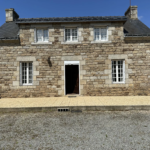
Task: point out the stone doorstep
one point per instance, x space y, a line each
76 108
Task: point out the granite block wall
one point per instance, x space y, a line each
95 62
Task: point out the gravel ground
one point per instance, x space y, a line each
128 130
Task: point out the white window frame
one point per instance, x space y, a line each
100 34
70 35
117 71
71 63
21 75
42 36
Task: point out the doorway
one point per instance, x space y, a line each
71 78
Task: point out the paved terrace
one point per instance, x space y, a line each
83 103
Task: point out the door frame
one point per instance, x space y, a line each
70 63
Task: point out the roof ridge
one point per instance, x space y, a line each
72 17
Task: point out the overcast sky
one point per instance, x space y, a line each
68 8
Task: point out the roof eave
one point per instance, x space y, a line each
137 38
71 21
137 35
10 38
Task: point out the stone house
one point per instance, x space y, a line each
88 56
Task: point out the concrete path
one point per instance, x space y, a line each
74 101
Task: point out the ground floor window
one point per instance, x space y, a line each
118 75
26 73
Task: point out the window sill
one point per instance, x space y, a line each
26 85
41 43
70 42
118 83
101 42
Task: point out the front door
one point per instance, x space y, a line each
72 78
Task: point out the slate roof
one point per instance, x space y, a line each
136 28
9 31
72 19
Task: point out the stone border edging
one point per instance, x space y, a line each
83 108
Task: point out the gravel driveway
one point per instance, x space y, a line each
75 131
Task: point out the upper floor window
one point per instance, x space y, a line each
118 74
42 35
100 34
71 35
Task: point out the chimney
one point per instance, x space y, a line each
132 12
11 15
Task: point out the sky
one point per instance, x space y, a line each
74 8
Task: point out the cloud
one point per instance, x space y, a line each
140 17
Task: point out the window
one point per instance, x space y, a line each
100 34
42 36
71 35
26 73
118 71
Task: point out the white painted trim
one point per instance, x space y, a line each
41 43
64 79
20 73
94 34
71 42
70 63
25 84
70 35
48 35
42 36
27 73
64 36
100 41
117 72
107 34
35 36
79 78
124 74
77 34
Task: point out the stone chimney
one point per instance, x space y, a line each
132 12
11 15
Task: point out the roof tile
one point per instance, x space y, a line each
72 19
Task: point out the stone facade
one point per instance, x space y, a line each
85 32
94 57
